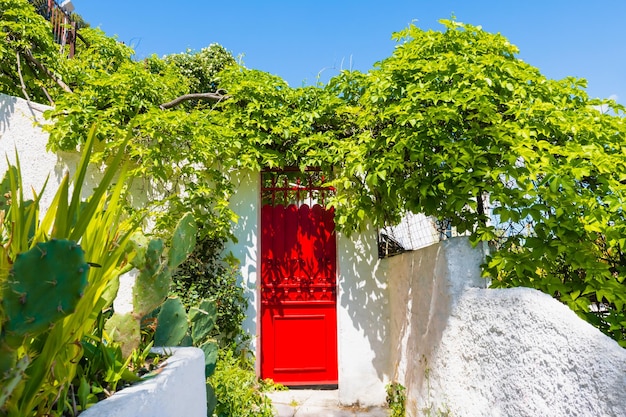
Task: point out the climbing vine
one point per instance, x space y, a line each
452 124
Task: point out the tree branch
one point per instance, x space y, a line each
194 96
30 58
82 38
19 73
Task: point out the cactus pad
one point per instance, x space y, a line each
203 320
183 240
125 329
44 286
171 323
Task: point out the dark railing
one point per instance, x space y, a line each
63 26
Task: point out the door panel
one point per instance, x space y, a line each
298 289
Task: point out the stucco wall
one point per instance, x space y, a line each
470 351
362 305
245 202
362 321
179 390
20 130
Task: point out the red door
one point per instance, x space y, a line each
298 280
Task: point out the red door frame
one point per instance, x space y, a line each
298 279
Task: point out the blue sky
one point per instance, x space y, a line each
298 40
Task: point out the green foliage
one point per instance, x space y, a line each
204 275
48 360
22 32
237 389
200 69
102 368
453 124
179 153
396 399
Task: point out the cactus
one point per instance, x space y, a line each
203 320
155 277
124 328
43 287
183 240
12 378
153 281
173 325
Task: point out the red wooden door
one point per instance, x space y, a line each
298 281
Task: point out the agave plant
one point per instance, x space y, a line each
57 274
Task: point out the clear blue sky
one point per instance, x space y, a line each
298 39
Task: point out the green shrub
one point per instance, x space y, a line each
237 388
204 275
396 399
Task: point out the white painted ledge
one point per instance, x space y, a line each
179 390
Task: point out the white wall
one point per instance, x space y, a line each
179 390
471 351
361 298
20 130
362 321
245 202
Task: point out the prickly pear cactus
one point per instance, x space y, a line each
183 240
125 329
12 378
155 276
203 320
152 286
153 282
173 327
172 324
43 287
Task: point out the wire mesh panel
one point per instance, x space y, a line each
413 232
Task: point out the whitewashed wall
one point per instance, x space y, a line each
468 351
179 390
245 202
362 306
421 318
20 130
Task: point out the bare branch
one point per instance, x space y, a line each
30 58
45 91
194 96
19 72
82 38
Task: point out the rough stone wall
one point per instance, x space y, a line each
463 350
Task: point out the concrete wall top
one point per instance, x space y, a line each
179 390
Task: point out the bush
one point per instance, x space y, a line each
204 275
237 388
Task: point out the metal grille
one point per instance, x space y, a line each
291 186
